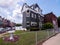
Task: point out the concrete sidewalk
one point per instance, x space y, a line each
53 41
1 35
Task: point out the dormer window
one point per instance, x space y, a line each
32 7
37 9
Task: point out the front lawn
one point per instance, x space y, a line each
26 38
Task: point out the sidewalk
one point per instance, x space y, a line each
53 41
1 35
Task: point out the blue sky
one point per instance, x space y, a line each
11 9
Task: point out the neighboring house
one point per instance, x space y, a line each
32 16
12 24
50 17
6 23
1 23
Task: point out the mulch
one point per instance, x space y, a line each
16 38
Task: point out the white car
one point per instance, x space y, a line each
2 30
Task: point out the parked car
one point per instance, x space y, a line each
2 30
8 29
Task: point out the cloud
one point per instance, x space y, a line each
4 12
17 10
10 2
16 14
11 10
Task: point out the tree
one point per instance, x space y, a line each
48 26
58 21
18 24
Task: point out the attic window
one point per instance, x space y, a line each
27 11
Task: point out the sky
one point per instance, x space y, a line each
11 9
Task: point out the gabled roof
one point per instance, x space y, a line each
51 13
23 6
34 6
30 7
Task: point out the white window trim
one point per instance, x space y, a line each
34 23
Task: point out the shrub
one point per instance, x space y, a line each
34 29
47 26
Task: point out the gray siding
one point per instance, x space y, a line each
24 20
30 19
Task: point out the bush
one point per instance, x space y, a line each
34 29
47 26
18 25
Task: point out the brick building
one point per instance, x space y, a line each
50 17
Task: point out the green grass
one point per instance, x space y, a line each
26 38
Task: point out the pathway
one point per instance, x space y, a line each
1 35
53 41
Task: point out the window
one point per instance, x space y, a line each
27 21
37 9
35 16
32 7
28 25
33 23
40 24
39 16
27 13
32 15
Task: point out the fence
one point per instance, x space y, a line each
34 37
31 37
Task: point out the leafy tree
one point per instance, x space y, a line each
18 24
58 21
48 26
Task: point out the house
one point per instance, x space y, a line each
50 17
32 16
6 23
1 23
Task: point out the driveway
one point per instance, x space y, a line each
53 41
